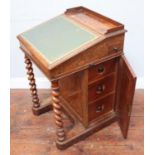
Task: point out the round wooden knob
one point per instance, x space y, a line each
100 89
115 49
101 69
99 108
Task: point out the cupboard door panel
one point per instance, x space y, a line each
127 88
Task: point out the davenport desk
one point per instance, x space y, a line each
81 53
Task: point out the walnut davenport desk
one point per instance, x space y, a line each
81 53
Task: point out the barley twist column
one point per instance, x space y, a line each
57 111
31 78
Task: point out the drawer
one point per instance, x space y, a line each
98 71
115 44
101 107
102 87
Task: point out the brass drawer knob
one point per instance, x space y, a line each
99 108
101 69
115 49
100 89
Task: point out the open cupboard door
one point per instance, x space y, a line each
126 94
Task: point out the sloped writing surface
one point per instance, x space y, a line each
57 38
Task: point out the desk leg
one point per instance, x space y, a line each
57 111
31 78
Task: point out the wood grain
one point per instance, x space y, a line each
108 43
128 82
33 135
81 86
101 69
57 111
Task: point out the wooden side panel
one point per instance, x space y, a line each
127 88
71 85
71 91
74 92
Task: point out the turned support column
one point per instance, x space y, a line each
57 111
31 78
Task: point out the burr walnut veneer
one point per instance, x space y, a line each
81 53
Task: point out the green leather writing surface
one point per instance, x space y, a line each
57 37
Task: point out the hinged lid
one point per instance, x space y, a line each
66 35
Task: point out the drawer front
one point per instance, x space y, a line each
101 107
101 87
98 71
115 44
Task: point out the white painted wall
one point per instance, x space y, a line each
25 14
